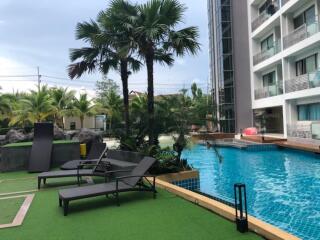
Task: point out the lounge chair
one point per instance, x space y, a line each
117 158
40 156
132 182
99 168
93 157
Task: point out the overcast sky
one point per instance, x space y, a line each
41 32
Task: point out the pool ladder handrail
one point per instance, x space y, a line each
217 153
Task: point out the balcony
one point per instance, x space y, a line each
306 81
264 16
269 91
300 34
260 57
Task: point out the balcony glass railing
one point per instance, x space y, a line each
284 2
270 91
315 130
300 34
307 130
264 16
306 81
260 57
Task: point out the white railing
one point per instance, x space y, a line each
260 57
306 81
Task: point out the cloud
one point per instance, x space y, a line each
34 36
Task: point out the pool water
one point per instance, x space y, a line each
283 186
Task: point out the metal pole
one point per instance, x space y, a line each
39 77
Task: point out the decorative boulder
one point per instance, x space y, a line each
71 134
29 136
14 136
88 136
58 133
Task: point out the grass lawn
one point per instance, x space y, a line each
138 217
9 209
27 144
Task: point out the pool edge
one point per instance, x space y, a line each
258 226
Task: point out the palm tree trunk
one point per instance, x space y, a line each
81 121
149 62
125 92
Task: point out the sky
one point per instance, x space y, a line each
39 33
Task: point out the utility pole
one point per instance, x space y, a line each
39 77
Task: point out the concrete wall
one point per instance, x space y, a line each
89 122
241 65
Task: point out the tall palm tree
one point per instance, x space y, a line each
61 100
81 107
157 40
110 48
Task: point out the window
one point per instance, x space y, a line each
269 79
72 125
264 6
309 112
307 65
227 45
227 62
307 17
267 43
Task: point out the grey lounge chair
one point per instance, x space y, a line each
117 158
97 169
93 157
40 156
132 182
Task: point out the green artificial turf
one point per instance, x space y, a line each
9 209
139 217
27 144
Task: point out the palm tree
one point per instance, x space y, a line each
34 107
5 106
111 105
81 107
61 100
157 41
110 48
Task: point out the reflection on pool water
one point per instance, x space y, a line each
283 186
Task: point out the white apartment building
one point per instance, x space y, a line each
284 44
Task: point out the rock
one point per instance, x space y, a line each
29 136
88 136
71 134
14 136
58 133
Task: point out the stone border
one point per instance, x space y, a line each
18 220
264 229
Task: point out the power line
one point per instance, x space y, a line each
12 76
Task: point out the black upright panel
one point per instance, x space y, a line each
40 157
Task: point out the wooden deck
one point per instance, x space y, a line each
211 136
299 146
263 139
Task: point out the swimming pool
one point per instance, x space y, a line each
283 186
